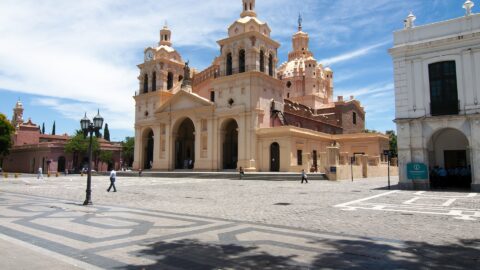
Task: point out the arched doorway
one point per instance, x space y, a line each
230 145
61 164
185 145
148 152
275 157
449 159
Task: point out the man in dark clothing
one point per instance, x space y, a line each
304 177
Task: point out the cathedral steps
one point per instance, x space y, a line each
267 176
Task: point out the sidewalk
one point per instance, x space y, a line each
15 254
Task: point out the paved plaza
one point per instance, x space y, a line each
158 223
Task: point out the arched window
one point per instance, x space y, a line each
145 84
270 65
241 61
180 78
229 64
170 81
262 61
154 82
245 6
443 88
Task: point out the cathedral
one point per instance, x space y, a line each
246 109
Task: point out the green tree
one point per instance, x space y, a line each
106 133
393 142
53 128
78 146
128 148
43 128
106 157
6 131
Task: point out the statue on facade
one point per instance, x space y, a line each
186 75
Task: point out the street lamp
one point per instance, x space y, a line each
89 128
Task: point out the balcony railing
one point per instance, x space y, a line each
447 107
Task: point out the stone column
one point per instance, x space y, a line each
137 156
475 154
156 147
333 153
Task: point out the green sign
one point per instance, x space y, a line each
417 171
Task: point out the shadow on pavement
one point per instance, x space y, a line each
361 254
193 254
338 254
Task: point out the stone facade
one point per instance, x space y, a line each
243 111
437 90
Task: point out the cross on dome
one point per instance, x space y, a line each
300 20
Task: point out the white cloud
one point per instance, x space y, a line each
353 54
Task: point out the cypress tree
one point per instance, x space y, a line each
106 133
53 128
43 128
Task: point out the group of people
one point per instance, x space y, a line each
457 177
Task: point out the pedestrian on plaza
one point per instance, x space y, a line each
40 173
113 177
304 177
139 172
242 172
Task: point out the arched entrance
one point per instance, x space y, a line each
61 164
185 145
275 157
230 145
148 150
449 159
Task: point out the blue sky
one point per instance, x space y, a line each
64 57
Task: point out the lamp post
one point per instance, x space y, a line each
89 128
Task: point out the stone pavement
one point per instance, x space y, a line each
156 223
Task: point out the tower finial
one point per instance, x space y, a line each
468 5
409 21
165 26
300 20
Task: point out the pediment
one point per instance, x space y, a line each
184 100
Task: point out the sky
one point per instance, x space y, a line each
63 58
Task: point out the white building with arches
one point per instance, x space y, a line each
437 93
235 112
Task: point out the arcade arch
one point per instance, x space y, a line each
449 159
184 147
148 146
230 144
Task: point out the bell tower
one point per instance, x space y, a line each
248 9
17 118
300 43
165 36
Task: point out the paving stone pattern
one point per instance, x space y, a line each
156 223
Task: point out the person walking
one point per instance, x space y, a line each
113 177
40 173
304 177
